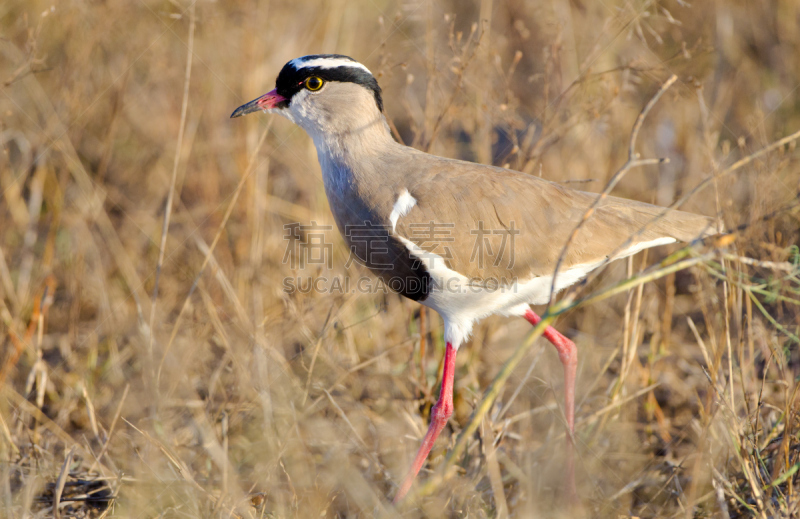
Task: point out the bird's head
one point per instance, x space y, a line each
323 93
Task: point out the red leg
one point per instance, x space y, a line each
568 354
440 413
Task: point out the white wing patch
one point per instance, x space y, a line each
401 208
299 63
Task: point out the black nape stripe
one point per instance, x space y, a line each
290 80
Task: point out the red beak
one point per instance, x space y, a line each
269 100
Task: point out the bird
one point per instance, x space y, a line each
467 240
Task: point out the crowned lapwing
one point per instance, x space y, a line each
429 226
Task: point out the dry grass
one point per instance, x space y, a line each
225 396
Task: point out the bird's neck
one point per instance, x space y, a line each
344 155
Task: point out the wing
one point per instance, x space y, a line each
489 222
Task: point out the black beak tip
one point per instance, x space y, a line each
246 108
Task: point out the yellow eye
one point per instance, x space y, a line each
313 83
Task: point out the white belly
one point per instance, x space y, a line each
461 301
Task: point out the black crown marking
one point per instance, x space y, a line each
290 80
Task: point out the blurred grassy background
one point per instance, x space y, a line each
257 403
